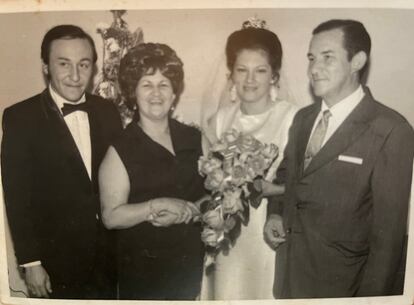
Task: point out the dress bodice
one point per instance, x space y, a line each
271 126
160 263
155 172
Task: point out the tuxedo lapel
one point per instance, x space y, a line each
59 133
95 136
347 133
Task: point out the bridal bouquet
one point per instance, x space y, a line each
232 167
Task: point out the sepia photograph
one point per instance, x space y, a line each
231 151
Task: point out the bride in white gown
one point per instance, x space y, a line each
254 57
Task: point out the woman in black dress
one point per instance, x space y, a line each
149 182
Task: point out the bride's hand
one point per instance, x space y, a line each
189 211
271 189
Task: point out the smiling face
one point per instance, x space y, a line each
332 75
155 96
252 76
70 67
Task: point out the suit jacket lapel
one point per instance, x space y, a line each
353 126
65 144
303 137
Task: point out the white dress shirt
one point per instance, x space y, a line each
78 124
339 112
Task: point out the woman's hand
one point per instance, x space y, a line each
167 211
163 219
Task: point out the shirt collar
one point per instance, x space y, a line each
59 100
343 108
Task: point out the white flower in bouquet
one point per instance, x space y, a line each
249 144
239 175
211 237
232 202
214 218
270 151
256 165
207 165
214 180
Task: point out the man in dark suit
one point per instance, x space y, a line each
52 146
348 163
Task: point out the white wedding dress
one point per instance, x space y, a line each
247 271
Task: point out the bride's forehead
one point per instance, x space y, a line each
252 56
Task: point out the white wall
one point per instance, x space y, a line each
199 37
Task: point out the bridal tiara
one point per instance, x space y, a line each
255 23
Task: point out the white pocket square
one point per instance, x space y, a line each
350 159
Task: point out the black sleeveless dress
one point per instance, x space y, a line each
161 263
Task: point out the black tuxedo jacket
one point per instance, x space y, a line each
52 205
345 215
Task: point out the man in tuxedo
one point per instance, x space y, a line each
343 218
51 149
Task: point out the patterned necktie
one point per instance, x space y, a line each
316 140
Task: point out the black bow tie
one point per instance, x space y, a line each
69 108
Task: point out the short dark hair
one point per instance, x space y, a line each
147 59
65 31
356 37
253 39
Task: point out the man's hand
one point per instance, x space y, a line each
38 281
274 233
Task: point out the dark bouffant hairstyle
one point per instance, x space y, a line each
66 31
146 59
356 37
253 39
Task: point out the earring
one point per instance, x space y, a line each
273 92
233 93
